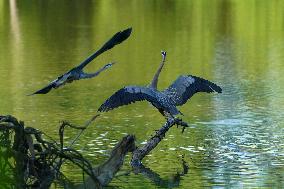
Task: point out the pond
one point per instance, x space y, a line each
235 139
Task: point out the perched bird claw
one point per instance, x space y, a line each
178 121
166 101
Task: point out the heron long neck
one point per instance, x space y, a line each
90 75
154 82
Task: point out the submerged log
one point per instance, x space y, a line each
106 171
38 161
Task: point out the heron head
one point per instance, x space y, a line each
109 65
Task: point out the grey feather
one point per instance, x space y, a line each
131 94
184 87
116 39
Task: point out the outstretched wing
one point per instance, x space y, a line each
128 95
60 81
45 90
184 87
115 40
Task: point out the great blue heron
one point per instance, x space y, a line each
78 73
177 94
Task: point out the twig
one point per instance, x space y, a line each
85 127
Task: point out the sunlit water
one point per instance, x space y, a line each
236 138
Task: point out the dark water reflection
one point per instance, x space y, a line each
235 140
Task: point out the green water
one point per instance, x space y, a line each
236 139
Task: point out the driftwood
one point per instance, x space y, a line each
106 171
113 164
38 161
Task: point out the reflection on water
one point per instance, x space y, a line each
235 139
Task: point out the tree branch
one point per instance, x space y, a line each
141 152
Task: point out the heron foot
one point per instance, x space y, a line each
179 122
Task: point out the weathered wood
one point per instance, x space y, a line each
106 171
19 147
41 163
37 159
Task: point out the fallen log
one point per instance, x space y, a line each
107 170
38 161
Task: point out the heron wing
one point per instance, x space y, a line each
60 81
115 40
184 87
45 89
128 95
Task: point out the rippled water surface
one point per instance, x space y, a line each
236 139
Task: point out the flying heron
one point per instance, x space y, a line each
77 72
166 101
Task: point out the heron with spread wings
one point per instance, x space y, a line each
77 72
166 101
